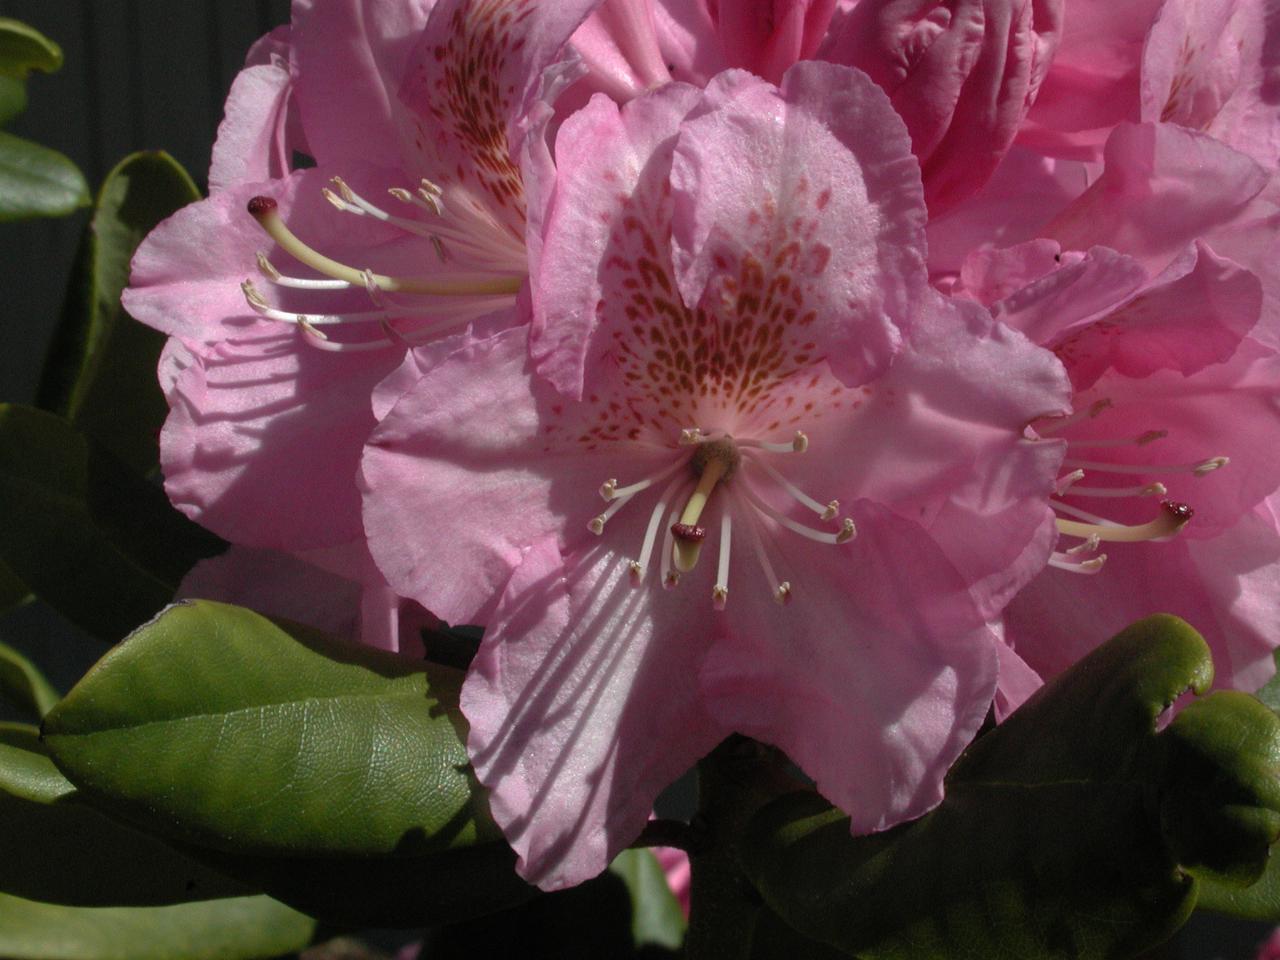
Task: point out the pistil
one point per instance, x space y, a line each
266 212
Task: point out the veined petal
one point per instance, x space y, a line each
471 80
821 214
1186 324
467 470
1163 186
349 55
608 199
263 441
868 683
260 128
583 705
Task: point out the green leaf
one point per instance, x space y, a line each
58 849
22 684
656 917
1071 831
101 369
89 537
332 774
24 49
37 182
34 180
245 928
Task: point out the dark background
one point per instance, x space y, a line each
152 74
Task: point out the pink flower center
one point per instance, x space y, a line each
1092 529
738 470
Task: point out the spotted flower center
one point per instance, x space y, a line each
705 466
1088 458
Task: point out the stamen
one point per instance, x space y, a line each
847 529
1052 427
827 511
1086 546
352 202
1067 481
691 437
1151 436
720 592
265 211
265 310
1199 469
1093 565
1173 517
1149 490
798 444
638 567
596 524
1076 512
268 270
782 590
609 490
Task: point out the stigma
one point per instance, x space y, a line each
736 476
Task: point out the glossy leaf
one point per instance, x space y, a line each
37 182
1067 832
101 369
98 543
245 928
34 180
23 685
333 775
24 49
656 917
58 849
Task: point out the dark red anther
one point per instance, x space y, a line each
1179 511
688 532
259 207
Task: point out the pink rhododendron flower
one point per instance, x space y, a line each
1206 66
962 74
815 483
1168 348
411 226
1271 949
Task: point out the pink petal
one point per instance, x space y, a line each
931 440
605 155
276 584
1163 187
263 441
1079 289
468 470
823 200
618 44
260 129
871 681
349 56
1210 67
1185 324
1017 682
1092 84
472 78
583 705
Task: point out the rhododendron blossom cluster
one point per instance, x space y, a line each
830 373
